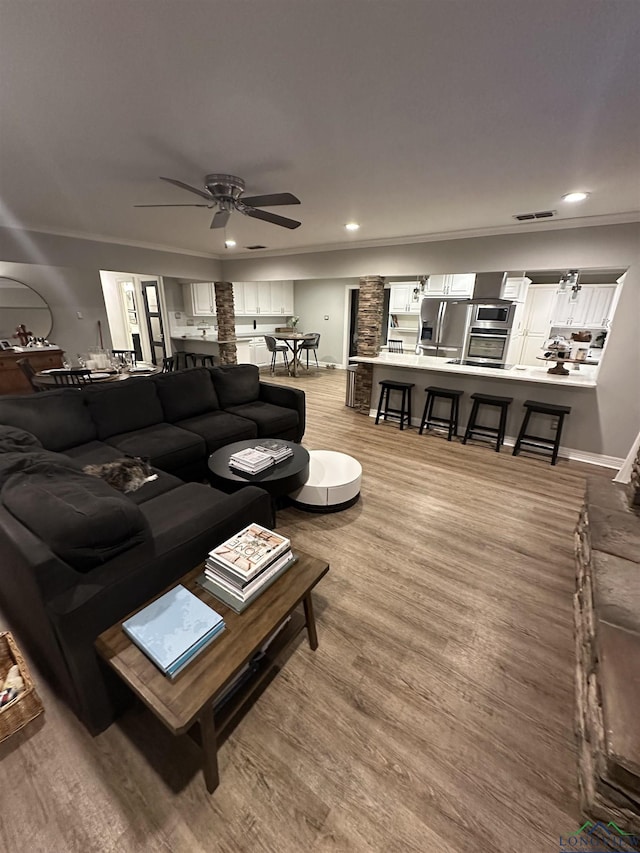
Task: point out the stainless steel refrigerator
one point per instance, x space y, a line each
443 327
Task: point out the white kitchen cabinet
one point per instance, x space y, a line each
515 288
458 284
532 326
281 297
405 298
203 299
592 307
243 351
260 355
238 298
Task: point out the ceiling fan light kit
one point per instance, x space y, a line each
225 192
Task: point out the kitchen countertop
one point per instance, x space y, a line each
584 378
213 337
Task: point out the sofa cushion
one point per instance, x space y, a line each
154 488
121 407
220 428
186 394
17 439
165 446
93 453
16 461
60 419
270 420
82 519
236 384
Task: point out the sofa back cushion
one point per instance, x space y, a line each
81 518
118 407
186 394
236 384
59 419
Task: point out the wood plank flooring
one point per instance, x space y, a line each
436 714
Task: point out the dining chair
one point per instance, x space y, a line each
394 345
25 366
168 364
308 346
77 376
274 348
126 356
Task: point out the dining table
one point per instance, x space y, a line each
46 378
293 341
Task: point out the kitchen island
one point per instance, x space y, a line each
580 438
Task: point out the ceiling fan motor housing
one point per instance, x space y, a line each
227 187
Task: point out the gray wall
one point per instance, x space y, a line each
316 298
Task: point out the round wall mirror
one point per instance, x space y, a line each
20 304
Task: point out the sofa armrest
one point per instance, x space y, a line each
288 398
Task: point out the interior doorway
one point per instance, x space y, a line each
136 313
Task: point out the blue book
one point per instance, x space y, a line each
195 650
171 625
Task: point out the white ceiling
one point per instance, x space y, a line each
412 118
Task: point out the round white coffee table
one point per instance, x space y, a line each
333 483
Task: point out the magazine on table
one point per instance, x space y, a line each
248 552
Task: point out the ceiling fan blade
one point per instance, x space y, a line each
270 217
183 186
220 219
270 200
172 205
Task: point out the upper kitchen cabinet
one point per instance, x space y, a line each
263 297
515 288
458 284
592 306
404 298
203 298
281 297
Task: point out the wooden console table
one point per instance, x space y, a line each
13 380
191 698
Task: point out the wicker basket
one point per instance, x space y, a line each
28 705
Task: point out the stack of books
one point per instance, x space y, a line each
173 629
240 569
250 461
278 450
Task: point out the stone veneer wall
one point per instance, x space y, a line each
607 622
226 317
370 309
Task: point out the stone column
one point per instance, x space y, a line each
226 318
369 325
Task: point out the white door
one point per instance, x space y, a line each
238 298
537 322
287 297
399 298
264 298
261 355
202 298
562 313
251 297
582 306
599 310
436 285
515 288
461 284
243 352
277 301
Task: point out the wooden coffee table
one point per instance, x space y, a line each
190 699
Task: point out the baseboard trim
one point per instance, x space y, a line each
570 453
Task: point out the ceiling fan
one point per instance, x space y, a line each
225 193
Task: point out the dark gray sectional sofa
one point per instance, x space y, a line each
77 555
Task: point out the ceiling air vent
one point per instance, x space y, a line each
541 214
255 247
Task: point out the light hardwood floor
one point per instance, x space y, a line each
436 714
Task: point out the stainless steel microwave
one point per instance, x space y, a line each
493 316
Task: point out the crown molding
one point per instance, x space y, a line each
462 234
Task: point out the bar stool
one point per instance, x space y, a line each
540 443
475 429
428 418
191 359
404 412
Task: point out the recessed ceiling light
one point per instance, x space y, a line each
578 196
352 226
229 244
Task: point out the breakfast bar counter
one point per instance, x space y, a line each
578 390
